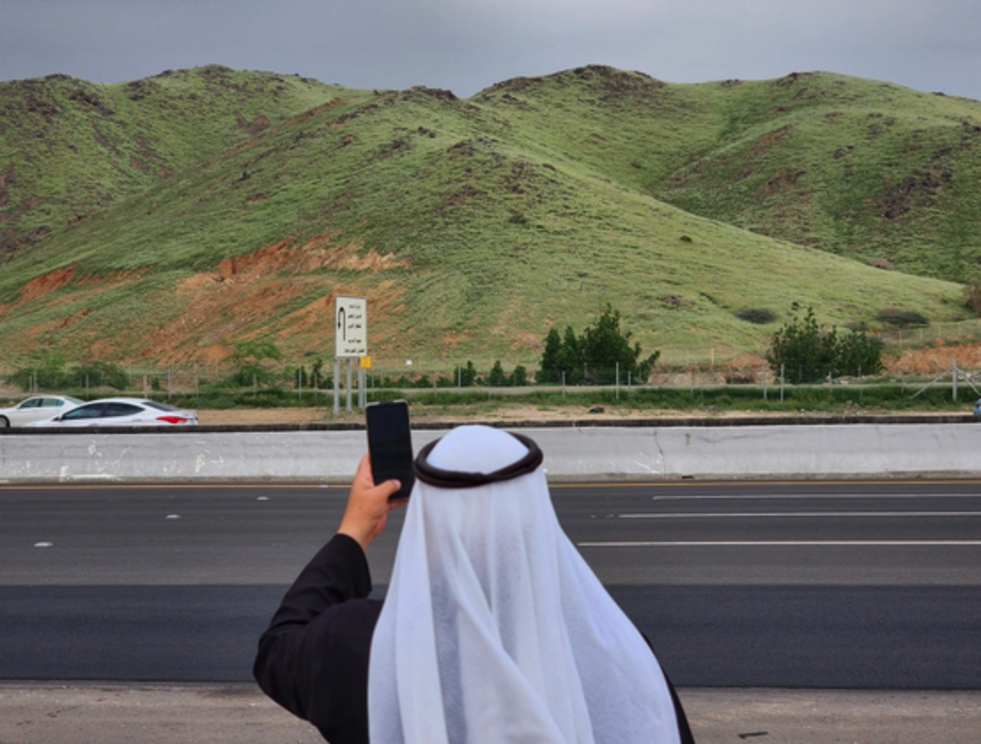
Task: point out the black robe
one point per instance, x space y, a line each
313 659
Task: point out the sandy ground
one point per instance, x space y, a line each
114 713
421 415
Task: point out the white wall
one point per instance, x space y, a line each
570 452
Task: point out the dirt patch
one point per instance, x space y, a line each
936 360
46 283
504 414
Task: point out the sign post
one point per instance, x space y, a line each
350 342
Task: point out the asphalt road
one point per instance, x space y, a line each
816 585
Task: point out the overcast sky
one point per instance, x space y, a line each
467 45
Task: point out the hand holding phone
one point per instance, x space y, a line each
390 444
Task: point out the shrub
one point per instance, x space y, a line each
248 357
972 297
802 350
593 356
757 315
467 376
497 378
805 352
48 374
97 374
900 318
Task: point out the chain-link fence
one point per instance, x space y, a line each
312 382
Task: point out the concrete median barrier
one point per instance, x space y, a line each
644 450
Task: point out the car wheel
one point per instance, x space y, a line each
4 423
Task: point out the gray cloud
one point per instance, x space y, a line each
466 45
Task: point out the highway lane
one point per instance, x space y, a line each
818 584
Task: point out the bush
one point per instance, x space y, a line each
496 377
593 356
972 297
756 315
97 374
804 352
900 318
47 374
248 358
801 350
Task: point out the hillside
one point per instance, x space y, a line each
69 148
868 170
236 205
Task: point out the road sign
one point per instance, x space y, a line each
350 327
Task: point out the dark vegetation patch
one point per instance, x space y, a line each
902 318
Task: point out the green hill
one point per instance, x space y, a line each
162 220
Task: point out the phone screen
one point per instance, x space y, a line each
390 444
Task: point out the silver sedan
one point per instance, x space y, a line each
122 412
36 408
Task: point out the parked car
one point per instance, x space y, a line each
36 408
122 412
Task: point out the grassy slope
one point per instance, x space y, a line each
471 226
69 148
856 167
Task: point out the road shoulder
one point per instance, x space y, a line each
160 713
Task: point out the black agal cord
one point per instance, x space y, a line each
434 476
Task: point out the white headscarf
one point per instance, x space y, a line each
495 630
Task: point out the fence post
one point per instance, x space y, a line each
349 407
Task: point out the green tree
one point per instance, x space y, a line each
570 359
859 354
496 377
801 349
317 374
806 352
519 377
605 348
596 355
48 372
248 359
549 368
468 375
97 374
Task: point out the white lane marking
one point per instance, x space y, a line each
745 515
782 543
808 496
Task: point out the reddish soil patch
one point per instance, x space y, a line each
46 283
936 360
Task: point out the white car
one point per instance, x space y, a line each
122 412
36 408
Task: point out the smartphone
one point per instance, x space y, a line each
390 444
